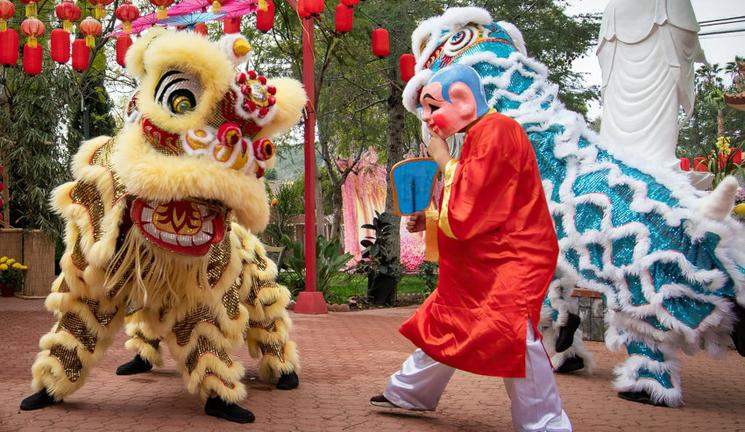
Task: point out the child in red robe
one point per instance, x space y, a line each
498 252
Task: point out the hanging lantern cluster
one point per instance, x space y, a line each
8 37
162 6
126 13
265 16
68 12
381 46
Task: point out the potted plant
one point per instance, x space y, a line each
11 276
382 267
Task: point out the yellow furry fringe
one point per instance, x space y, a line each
48 374
271 367
213 386
208 366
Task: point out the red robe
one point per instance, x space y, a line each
498 252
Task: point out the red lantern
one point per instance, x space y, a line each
127 12
91 28
344 18
380 43
32 56
231 25
685 164
303 9
265 18
162 5
9 47
737 159
80 55
123 42
314 7
67 12
200 28
406 64
60 45
32 28
7 10
350 3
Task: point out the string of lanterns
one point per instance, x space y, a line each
69 13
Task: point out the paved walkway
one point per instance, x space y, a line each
346 358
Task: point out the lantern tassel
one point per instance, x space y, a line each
31 41
3 25
100 11
216 7
162 13
31 9
127 27
67 26
263 5
90 41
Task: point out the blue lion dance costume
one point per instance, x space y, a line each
667 259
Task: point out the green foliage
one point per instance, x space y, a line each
289 203
427 272
330 261
711 118
377 256
344 286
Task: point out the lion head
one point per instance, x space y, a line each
198 139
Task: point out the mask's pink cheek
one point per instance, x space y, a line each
441 121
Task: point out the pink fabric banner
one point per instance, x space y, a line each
364 193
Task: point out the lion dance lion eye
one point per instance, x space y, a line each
181 104
459 41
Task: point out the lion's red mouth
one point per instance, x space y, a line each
185 227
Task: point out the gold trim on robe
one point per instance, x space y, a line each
449 175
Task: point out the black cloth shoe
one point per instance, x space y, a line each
571 364
135 366
566 333
381 402
38 400
738 329
217 407
288 381
640 397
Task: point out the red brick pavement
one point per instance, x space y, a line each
346 358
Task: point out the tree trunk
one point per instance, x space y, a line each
720 123
395 147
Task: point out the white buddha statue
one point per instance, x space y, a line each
647 49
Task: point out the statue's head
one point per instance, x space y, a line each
198 138
451 100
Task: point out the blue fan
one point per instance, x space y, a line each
412 182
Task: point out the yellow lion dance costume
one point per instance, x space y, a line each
160 221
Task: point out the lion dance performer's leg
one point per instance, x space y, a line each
144 343
87 319
651 373
268 334
559 327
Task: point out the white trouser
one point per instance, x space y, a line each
536 405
